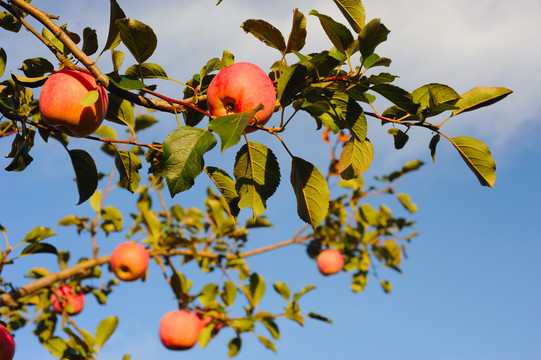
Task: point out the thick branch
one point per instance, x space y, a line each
10 299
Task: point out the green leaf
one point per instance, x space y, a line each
282 289
56 346
266 33
478 158
405 200
139 38
90 41
355 158
230 293
400 138
128 165
205 335
339 35
90 98
226 186
39 248
290 83
353 115
319 317
53 40
146 71
353 11
117 57
113 38
183 151
126 82
231 127
432 146
297 37
479 97
255 289
120 111
268 344
3 61
386 286
105 329
112 219
257 175
37 67
234 347
373 34
144 121
37 234
311 190
208 295
20 149
303 291
436 98
106 131
270 324
30 82
9 22
86 173
397 96
374 60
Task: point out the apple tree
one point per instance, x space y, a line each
336 88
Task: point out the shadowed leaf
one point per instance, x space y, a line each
297 37
311 190
183 151
86 173
265 32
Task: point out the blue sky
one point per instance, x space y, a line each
469 288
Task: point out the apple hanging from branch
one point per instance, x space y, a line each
7 345
180 329
64 298
129 261
242 87
60 103
330 261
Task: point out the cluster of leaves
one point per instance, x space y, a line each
334 87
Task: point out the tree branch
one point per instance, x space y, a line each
101 78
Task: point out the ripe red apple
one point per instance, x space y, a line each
7 345
180 329
242 87
330 261
64 298
60 103
129 261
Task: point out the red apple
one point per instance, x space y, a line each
242 87
65 298
330 261
129 261
60 103
7 345
180 329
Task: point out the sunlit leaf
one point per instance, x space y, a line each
282 289
38 233
479 97
355 158
353 11
226 186
105 329
231 127
478 158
